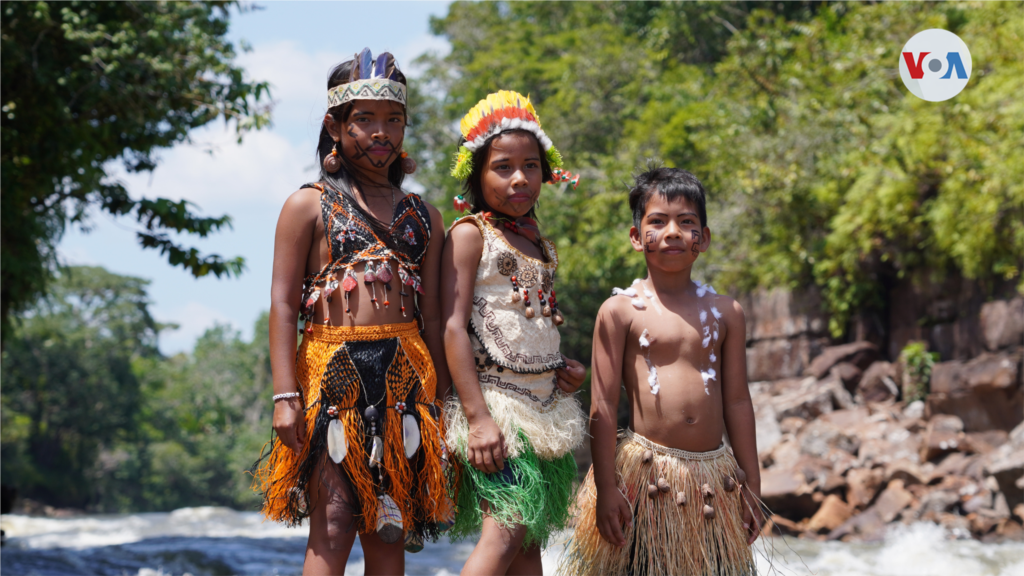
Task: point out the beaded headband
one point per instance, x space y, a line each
369 80
503 110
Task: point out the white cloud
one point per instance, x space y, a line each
193 320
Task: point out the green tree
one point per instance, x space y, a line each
821 167
69 388
88 83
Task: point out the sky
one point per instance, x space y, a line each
294 46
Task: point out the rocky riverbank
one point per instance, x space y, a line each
843 456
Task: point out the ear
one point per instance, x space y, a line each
333 128
635 240
705 240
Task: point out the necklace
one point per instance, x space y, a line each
390 185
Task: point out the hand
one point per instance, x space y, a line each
486 449
613 512
753 518
572 376
290 423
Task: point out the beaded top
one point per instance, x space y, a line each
511 339
353 241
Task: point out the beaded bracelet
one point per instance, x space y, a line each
286 395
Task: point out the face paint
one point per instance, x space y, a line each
652 240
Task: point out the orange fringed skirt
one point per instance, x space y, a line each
341 371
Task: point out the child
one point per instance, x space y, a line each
514 422
359 440
667 499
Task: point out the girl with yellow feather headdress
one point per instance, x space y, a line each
515 423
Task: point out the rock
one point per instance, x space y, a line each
985 442
959 525
955 464
832 513
782 313
786 492
878 383
892 500
1010 530
777 358
766 427
820 436
977 502
1018 511
791 425
781 526
943 435
860 354
847 373
885 441
984 392
869 523
1007 466
1002 323
862 486
937 502
808 402
914 410
906 471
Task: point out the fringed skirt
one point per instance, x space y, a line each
364 386
535 488
694 528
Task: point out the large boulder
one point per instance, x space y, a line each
860 354
785 491
862 484
1002 323
1006 464
944 434
985 392
777 358
869 523
878 383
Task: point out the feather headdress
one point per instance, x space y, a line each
503 110
369 80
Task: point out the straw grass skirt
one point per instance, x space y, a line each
672 532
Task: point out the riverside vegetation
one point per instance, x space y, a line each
824 174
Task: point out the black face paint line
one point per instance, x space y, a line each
695 247
652 240
361 153
695 235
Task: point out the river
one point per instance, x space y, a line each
209 540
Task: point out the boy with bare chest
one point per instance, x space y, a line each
666 496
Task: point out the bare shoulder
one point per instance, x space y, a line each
617 312
731 310
436 219
304 201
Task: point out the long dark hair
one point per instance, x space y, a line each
474 188
348 174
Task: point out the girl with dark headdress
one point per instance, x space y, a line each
359 444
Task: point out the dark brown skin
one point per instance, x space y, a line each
682 415
511 182
371 137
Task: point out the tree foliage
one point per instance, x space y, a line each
94 417
821 167
89 83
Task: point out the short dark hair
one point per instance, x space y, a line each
473 186
671 184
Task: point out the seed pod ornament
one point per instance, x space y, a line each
648 455
652 491
709 512
680 499
408 164
663 485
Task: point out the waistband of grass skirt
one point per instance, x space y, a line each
631 436
341 334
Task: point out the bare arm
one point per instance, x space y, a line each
461 257
739 412
610 332
292 244
430 302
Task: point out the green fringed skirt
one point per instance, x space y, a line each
529 492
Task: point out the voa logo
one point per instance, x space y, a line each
935 65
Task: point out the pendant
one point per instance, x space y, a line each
389 520
384 272
337 446
377 452
410 435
